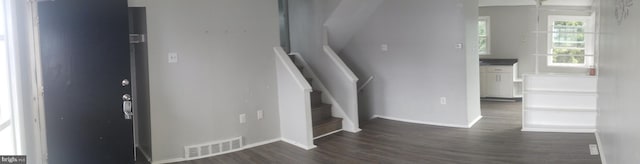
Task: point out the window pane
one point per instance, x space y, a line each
569 59
568 37
483 45
568 23
482 28
568 51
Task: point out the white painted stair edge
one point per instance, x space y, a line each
347 123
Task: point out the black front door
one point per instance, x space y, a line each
85 57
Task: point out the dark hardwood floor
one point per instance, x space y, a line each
496 139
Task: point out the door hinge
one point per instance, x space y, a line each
136 38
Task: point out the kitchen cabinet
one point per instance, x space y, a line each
498 81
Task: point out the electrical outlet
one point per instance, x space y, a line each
243 118
173 57
459 46
443 100
260 114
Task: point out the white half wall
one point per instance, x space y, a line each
294 102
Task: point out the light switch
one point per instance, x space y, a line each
173 57
384 47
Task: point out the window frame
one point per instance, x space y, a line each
589 40
487 20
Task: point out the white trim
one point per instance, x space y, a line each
558 128
474 121
243 148
144 153
366 83
420 122
338 62
292 69
36 84
487 20
305 147
330 133
589 39
347 123
600 149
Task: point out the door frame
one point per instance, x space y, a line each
37 89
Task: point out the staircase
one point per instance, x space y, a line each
322 120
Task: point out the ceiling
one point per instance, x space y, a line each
533 2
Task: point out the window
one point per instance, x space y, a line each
570 41
483 35
10 130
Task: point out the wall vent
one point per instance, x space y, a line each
212 148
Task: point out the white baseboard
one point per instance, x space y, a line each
298 144
352 130
558 130
243 148
474 122
144 153
330 133
421 122
600 149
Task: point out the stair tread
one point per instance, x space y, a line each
326 121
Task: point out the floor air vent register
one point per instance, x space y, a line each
212 148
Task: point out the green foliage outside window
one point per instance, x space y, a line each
568 39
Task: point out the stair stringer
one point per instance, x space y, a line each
337 111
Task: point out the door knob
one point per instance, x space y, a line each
125 82
126 97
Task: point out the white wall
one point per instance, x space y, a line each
618 87
226 68
346 19
512 35
472 60
422 64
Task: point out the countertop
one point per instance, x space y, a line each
498 61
